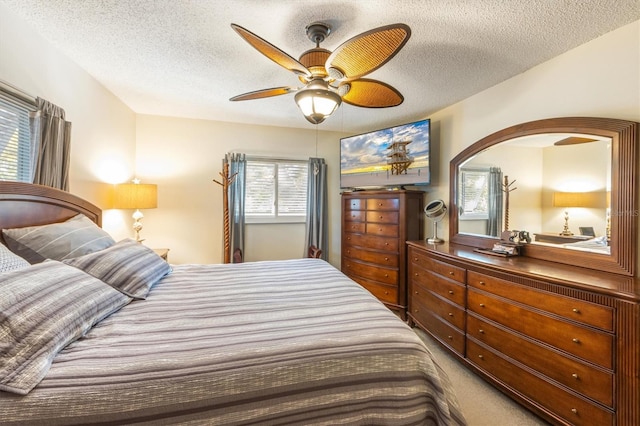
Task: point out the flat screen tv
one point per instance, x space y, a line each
386 158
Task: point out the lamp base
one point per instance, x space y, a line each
137 224
435 240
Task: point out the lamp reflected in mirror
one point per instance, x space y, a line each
435 211
574 200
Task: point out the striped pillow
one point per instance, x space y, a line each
10 261
58 241
127 266
44 308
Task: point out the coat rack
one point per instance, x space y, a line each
506 188
226 182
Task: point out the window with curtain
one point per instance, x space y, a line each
15 139
276 191
474 194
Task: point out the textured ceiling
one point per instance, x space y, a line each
181 57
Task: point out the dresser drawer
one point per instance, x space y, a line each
382 230
586 343
424 301
579 376
383 204
444 332
372 242
447 289
355 216
384 293
383 217
574 409
384 259
355 227
587 313
373 272
354 204
450 271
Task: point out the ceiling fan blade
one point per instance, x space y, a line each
367 52
573 140
371 94
264 93
272 52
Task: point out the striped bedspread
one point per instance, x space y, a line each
262 343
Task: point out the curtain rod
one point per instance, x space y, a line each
20 94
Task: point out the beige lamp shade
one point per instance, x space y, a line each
135 196
578 199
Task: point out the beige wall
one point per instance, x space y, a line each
183 157
598 79
103 129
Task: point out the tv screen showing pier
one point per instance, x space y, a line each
392 157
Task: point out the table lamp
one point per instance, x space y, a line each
137 196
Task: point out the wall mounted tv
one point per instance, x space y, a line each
387 158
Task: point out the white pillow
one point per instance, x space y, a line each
10 261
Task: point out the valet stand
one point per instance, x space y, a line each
226 182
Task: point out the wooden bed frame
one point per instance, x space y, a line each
25 204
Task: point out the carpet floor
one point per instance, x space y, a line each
481 403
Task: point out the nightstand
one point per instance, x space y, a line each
162 252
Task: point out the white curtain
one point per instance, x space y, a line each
317 214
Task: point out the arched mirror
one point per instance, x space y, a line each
571 183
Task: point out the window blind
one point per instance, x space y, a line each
15 145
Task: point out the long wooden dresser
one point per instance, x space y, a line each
562 340
375 227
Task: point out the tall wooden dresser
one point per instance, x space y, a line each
375 228
563 340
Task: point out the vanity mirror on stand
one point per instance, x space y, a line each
557 327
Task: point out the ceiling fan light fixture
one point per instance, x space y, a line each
317 103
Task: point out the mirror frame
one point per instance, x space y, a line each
624 199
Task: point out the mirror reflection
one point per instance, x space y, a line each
556 186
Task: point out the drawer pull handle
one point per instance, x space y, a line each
574 410
386 258
450 314
416 274
481 282
574 340
575 376
416 311
386 244
481 331
380 229
386 275
480 356
482 305
381 217
386 293
417 292
450 272
415 259
577 311
450 291
450 337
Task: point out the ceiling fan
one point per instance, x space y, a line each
329 78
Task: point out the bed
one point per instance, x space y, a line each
276 342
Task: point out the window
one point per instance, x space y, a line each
474 194
276 191
15 145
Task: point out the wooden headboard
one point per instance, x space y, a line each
25 204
